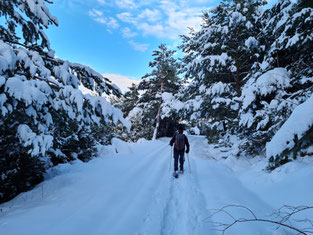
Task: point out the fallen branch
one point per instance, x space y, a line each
282 218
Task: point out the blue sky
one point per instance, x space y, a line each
118 36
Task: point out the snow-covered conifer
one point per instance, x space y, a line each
129 100
44 118
218 58
271 94
163 78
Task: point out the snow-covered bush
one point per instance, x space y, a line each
44 118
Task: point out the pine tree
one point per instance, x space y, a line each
219 57
267 104
30 17
130 99
45 119
163 78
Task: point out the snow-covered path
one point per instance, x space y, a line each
133 192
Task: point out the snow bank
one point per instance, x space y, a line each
105 150
299 122
195 130
121 147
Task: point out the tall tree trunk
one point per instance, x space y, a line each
277 55
237 74
159 111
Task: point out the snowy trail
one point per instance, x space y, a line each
134 193
105 196
179 207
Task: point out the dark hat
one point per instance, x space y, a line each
181 127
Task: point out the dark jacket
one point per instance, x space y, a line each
185 139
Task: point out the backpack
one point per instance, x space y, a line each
180 142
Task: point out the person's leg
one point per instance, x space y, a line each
176 156
181 161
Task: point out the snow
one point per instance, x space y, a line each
29 91
62 71
121 81
24 58
246 119
41 143
278 78
195 130
133 192
219 59
120 146
7 57
236 18
41 11
2 81
169 104
251 43
218 89
293 40
299 122
134 112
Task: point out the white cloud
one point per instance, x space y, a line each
102 2
149 29
123 82
150 15
127 17
101 20
112 23
168 19
138 46
127 33
97 16
128 4
95 13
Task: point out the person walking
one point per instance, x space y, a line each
180 141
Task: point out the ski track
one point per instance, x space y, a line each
178 209
143 198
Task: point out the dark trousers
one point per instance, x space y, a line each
179 156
